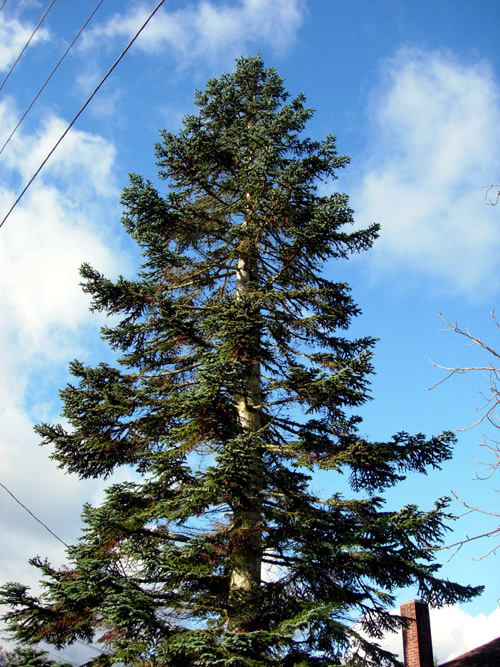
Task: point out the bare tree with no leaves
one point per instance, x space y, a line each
489 412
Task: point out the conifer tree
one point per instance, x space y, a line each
28 656
236 381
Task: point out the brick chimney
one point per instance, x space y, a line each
417 640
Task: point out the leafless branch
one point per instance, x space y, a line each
471 508
488 413
487 198
468 334
468 539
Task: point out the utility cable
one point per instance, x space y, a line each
91 646
60 659
87 645
31 513
27 43
3 5
51 75
82 109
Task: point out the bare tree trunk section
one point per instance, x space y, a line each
246 554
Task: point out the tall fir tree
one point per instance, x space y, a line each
236 382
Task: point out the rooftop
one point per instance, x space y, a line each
487 655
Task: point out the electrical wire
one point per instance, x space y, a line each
61 659
87 645
51 75
82 109
31 513
27 43
3 5
91 646
131 42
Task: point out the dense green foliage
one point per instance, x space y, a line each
236 382
28 656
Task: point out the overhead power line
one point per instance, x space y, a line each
27 43
62 659
86 644
2 5
33 515
91 646
82 109
51 75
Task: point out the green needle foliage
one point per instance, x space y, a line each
28 656
236 382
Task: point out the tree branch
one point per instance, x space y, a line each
487 199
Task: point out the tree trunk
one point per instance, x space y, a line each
246 554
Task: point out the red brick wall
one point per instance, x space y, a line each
417 639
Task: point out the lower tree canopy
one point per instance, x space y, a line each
28 656
235 382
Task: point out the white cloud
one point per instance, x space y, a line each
206 29
81 161
40 258
454 632
51 232
54 228
14 34
434 146
45 318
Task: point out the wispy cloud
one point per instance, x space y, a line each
434 145
207 29
53 229
14 34
44 322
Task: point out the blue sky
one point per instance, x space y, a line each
412 92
